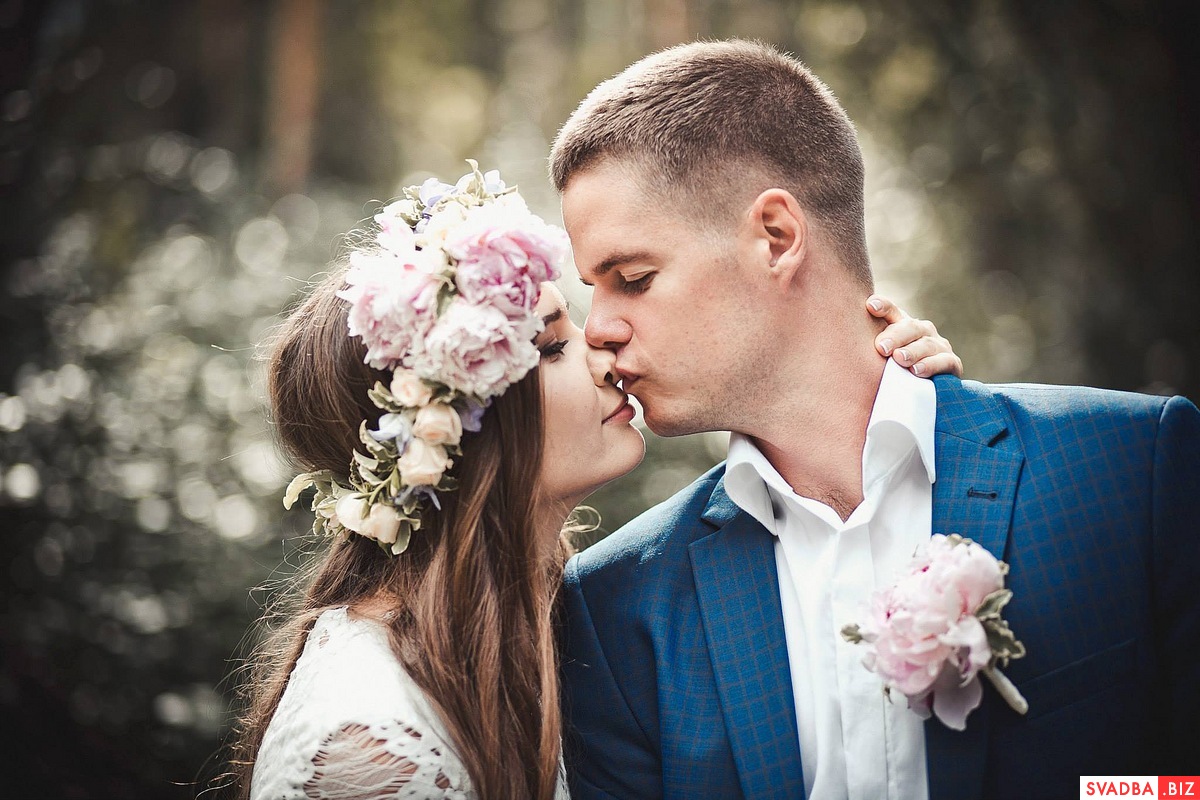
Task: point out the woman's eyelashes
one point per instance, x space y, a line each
552 350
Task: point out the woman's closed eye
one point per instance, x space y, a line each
551 350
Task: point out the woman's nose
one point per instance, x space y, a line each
602 363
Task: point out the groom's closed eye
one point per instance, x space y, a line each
637 285
616 260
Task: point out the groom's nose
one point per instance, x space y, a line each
606 331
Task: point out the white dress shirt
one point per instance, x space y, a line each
854 743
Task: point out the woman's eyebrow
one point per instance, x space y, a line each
553 317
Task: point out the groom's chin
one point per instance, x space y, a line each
666 424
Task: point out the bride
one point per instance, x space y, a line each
449 417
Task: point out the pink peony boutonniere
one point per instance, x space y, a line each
931 633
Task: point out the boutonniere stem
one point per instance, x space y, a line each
1006 689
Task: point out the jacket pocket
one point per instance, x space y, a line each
1080 679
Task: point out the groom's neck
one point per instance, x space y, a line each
815 430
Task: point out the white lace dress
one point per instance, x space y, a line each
352 725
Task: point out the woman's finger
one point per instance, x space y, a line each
903 332
920 349
939 364
885 309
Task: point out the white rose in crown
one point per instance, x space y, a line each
931 634
423 464
350 511
438 423
379 522
382 524
409 390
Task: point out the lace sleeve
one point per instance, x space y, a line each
380 762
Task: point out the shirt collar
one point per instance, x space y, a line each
748 474
905 406
904 413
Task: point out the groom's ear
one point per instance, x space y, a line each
779 230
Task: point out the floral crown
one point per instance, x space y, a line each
445 302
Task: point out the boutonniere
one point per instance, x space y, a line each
933 632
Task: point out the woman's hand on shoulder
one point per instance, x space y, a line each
913 343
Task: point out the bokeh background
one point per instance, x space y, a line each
171 175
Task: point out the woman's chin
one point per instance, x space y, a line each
618 470
636 456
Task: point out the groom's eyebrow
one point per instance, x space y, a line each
617 260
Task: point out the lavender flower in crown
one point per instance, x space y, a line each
445 301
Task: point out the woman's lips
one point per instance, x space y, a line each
623 413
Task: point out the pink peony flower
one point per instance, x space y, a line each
395 234
505 253
922 633
393 303
477 349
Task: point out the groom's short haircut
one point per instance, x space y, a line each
708 117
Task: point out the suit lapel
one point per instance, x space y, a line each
979 462
738 591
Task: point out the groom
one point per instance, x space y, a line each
714 197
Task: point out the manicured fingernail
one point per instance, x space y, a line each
876 303
886 344
902 355
918 369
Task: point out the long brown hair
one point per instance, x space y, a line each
474 592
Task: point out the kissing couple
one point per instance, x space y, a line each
893 587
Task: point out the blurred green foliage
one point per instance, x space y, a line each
173 174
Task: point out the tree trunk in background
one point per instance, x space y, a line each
225 73
292 96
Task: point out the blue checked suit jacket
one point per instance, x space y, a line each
676 677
